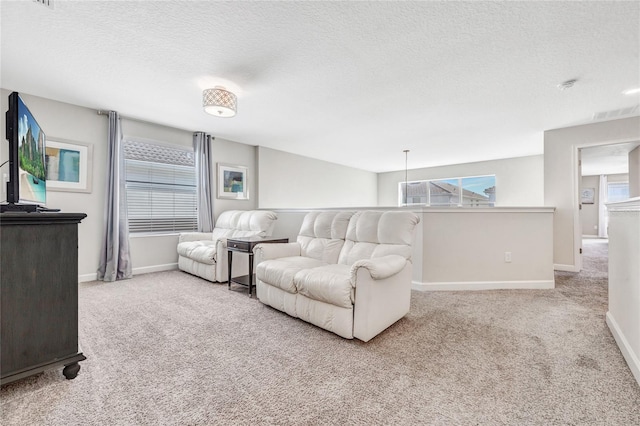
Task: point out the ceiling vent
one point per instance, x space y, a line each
616 113
48 3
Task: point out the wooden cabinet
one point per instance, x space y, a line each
38 294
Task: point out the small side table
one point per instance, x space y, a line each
246 245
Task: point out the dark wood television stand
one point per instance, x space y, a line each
39 294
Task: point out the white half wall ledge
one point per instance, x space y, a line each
484 285
435 209
481 238
625 347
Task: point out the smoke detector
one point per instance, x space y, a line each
567 84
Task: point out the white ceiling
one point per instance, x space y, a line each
354 83
607 159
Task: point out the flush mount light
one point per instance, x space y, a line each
219 102
567 84
631 91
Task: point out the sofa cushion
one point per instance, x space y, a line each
353 251
329 283
377 233
280 272
322 235
323 249
200 251
238 223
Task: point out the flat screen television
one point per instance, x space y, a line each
27 185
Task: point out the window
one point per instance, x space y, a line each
445 192
617 191
479 191
160 187
417 194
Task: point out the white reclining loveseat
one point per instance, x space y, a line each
349 273
205 253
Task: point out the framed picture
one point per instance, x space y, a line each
232 182
69 165
587 195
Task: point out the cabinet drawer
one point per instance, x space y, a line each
238 245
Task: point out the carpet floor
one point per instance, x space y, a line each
172 349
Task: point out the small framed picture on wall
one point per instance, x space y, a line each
232 182
69 165
587 195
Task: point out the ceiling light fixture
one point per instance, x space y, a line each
631 91
219 102
567 84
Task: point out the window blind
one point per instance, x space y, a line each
160 188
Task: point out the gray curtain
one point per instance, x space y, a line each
202 148
115 259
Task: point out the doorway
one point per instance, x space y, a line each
604 177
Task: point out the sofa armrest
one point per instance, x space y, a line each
379 267
276 250
379 302
195 236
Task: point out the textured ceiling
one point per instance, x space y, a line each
607 159
349 82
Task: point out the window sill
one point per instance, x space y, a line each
153 234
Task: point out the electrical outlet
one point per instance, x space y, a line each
507 256
595 227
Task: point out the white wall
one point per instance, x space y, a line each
464 249
75 123
562 181
72 123
293 181
519 181
623 317
228 152
618 177
589 215
150 253
634 173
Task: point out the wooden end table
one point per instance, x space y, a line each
246 245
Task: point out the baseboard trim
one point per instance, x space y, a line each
627 352
87 277
483 285
136 271
155 268
566 268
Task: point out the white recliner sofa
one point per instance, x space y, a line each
349 273
205 253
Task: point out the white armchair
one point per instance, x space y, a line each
347 273
205 253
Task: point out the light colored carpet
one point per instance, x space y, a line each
170 348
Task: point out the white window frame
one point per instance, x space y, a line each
621 183
427 182
178 217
